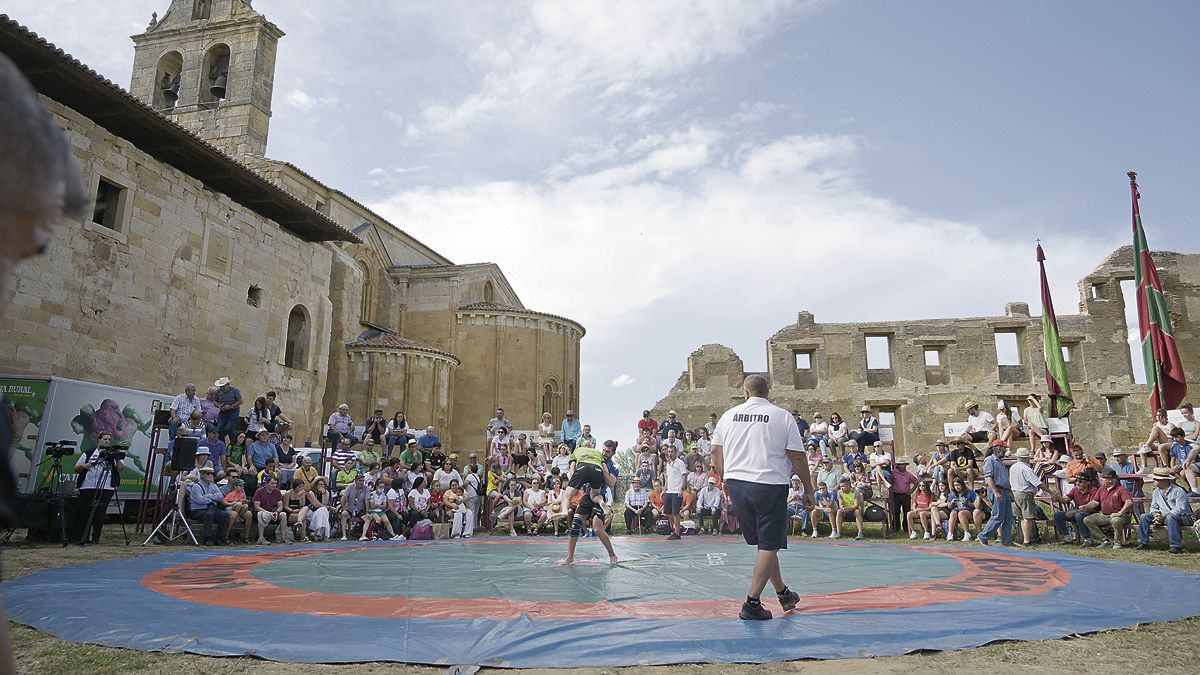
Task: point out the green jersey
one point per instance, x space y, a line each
588 456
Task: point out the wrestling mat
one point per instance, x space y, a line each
511 603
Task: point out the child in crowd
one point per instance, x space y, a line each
850 502
437 511
923 512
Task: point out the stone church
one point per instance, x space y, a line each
202 257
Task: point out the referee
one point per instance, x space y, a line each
752 447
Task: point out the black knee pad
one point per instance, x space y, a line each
576 527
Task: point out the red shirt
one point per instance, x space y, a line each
269 499
921 500
1081 497
1112 499
647 424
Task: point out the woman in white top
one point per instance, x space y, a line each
535 501
1035 421
546 434
501 443
839 431
563 459
259 417
1004 428
704 442
418 501
819 431
698 477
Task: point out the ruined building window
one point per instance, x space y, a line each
295 351
110 205
1098 291
879 352
936 371
1115 406
803 360
489 292
1008 349
933 358
254 296
805 375
201 9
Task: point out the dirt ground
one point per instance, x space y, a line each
1158 648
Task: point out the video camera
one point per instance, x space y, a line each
114 452
60 449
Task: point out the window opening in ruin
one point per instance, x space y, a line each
489 292
1066 350
1137 364
933 358
1097 291
879 352
109 203
295 352
1115 406
201 9
1008 349
253 296
803 360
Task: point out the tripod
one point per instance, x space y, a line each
105 478
56 473
173 518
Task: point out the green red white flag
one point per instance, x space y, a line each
1057 382
1164 368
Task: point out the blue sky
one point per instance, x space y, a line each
700 172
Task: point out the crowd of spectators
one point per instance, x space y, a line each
386 479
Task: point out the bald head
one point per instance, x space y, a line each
756 385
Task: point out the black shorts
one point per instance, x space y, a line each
520 460
587 475
672 501
979 436
761 511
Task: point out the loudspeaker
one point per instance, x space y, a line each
183 457
162 418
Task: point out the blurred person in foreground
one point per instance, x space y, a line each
40 185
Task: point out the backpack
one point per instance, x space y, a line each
423 530
663 526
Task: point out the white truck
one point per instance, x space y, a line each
51 409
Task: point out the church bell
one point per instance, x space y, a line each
218 85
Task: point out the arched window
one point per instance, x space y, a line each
166 81
214 74
489 292
552 399
295 351
366 301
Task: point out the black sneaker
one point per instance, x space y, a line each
789 600
1173 550
675 536
754 612
1141 547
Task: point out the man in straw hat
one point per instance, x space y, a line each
1025 486
1116 508
1168 506
979 423
1082 500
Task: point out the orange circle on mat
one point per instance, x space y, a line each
227 581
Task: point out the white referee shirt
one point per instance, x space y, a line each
754 438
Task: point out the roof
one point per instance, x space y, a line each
385 340
61 77
494 307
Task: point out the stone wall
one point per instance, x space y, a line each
162 299
823 367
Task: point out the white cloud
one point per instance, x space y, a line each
614 50
298 98
623 380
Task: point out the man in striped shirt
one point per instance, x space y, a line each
636 500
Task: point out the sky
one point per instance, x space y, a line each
672 174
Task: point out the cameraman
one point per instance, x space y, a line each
101 460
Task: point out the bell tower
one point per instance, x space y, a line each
210 66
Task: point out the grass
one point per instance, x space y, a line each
1159 648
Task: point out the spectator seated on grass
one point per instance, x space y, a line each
1081 502
850 502
352 504
960 503
268 510
922 512
1168 506
825 506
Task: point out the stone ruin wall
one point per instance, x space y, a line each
1111 410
